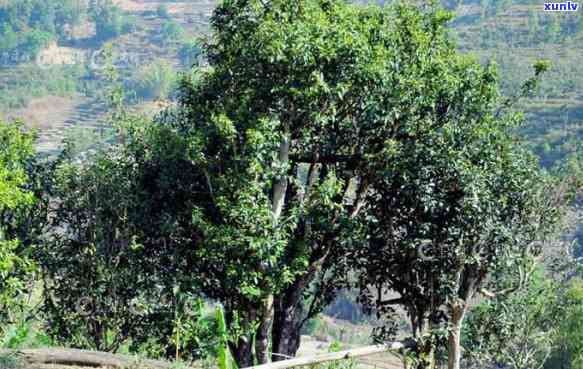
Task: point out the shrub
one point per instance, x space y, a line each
154 81
108 18
112 261
15 154
170 32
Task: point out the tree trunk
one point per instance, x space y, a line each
421 333
454 342
289 314
263 331
282 328
286 331
243 353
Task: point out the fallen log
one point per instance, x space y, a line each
83 358
334 356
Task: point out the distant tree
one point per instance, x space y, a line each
107 17
8 38
491 8
46 19
533 25
35 41
579 26
170 32
47 16
452 4
129 25
68 12
484 6
552 29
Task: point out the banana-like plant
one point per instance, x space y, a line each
224 358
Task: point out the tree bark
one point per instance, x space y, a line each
454 341
243 353
262 337
286 330
289 315
290 312
280 183
266 316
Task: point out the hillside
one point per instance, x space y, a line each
63 85
516 33
512 33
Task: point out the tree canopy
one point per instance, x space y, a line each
323 138
454 202
15 153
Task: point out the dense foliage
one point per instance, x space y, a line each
28 25
15 153
517 330
109 20
454 200
116 272
326 142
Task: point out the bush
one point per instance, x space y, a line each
155 81
95 294
170 32
15 155
108 18
113 258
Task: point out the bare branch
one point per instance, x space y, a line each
325 159
495 294
395 301
360 197
280 185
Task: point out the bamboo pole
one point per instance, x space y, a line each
333 356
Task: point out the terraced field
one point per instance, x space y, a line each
508 37
55 117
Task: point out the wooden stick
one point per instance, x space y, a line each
333 356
